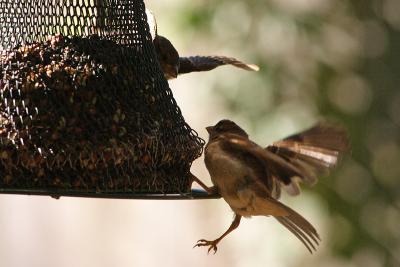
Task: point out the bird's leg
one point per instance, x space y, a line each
212 190
213 244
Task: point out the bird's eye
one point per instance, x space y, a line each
219 127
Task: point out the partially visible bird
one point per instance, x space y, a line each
250 177
167 56
172 64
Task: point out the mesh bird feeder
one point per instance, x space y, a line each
84 107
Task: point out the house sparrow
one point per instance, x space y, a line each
167 56
250 177
172 64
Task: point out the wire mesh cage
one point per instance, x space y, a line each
84 106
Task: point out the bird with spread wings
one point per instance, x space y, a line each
172 64
250 177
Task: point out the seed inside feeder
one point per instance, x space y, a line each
77 114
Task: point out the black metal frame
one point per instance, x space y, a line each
192 195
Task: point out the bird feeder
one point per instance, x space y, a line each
85 109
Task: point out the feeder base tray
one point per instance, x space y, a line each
193 194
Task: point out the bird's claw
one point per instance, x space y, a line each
211 244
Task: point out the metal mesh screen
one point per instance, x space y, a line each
84 106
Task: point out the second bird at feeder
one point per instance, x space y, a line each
173 65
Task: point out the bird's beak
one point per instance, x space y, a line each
209 129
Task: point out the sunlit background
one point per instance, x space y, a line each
320 60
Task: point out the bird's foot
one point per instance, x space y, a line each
212 190
211 244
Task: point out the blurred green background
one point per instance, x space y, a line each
320 60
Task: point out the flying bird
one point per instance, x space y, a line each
173 65
250 178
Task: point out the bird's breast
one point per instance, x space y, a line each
224 169
233 178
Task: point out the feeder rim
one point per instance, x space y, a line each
194 194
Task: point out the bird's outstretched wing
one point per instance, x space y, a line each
267 205
299 157
253 155
172 65
312 152
206 63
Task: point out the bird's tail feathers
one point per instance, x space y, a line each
293 221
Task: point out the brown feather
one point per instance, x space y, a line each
289 218
313 152
322 135
299 226
206 63
300 235
270 167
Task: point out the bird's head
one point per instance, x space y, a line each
168 57
224 127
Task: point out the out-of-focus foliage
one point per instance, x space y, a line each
321 59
